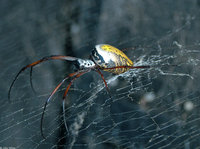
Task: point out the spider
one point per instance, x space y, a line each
103 57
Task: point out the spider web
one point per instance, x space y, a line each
149 108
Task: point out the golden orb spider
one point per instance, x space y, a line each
103 57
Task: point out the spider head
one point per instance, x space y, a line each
84 64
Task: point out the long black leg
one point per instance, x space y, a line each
31 82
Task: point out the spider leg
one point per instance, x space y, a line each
106 85
65 94
53 57
130 48
48 99
130 67
77 76
31 82
139 67
108 91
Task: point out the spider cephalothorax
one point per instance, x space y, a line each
103 57
84 64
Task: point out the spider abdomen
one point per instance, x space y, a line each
107 56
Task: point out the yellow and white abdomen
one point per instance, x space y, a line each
107 56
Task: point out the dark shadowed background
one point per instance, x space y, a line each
151 108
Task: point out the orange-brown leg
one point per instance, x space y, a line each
106 85
48 99
139 67
53 57
130 67
65 94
